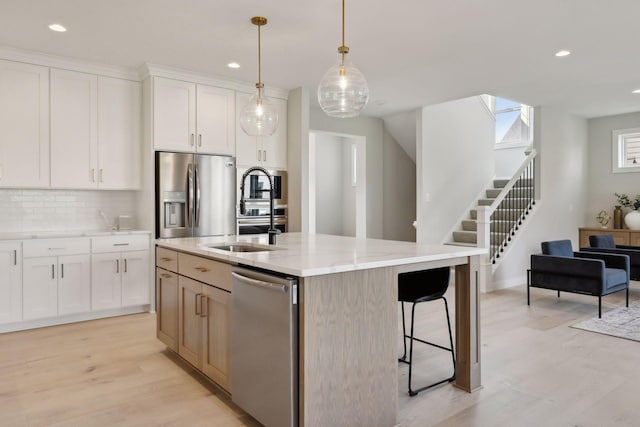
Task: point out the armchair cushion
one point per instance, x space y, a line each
615 278
602 241
558 248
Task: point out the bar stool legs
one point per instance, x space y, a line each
411 337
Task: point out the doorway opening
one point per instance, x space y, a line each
337 184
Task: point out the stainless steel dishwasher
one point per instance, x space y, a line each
264 346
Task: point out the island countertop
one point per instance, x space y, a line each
306 255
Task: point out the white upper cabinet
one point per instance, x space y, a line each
216 132
24 125
74 130
266 151
119 143
174 115
95 131
193 118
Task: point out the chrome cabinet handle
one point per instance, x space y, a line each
165 259
201 269
125 265
120 244
62 271
93 175
264 155
191 139
166 275
15 257
53 271
200 140
117 266
100 176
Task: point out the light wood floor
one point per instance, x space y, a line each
537 371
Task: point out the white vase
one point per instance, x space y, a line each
632 220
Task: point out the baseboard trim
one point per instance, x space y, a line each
72 318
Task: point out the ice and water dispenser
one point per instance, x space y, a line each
175 207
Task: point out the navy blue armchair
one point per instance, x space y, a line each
592 273
604 243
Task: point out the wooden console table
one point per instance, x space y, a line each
621 236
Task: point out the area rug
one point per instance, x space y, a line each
620 322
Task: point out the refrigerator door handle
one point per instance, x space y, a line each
190 194
197 190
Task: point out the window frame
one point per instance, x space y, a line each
617 150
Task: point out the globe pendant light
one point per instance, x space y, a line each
259 117
343 90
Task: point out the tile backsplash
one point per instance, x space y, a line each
63 210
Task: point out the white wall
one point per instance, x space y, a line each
372 129
508 160
561 141
348 190
602 183
298 158
63 210
329 184
456 151
399 197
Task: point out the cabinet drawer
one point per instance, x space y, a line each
205 270
54 247
167 259
120 243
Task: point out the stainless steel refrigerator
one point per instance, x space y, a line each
195 195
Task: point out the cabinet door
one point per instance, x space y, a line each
246 146
24 125
74 284
10 282
274 147
174 114
634 238
39 287
167 307
74 129
135 278
215 120
216 340
106 283
190 320
119 144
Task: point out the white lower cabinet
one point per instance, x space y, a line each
120 271
56 277
10 282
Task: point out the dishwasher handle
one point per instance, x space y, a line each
260 283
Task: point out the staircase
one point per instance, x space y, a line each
509 202
468 235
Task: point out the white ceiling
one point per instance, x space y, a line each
413 52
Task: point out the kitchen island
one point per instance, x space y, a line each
348 316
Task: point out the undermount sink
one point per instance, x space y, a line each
240 247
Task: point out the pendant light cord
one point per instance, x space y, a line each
342 47
259 68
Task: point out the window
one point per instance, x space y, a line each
625 144
513 123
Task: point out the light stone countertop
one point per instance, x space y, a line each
64 234
305 255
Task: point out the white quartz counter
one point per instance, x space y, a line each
64 234
305 255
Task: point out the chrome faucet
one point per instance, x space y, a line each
272 230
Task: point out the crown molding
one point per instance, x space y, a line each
55 61
154 70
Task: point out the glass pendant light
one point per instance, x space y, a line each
343 91
259 117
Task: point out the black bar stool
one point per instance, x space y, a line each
417 287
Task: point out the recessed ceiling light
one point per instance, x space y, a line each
57 27
562 53
635 91
233 65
